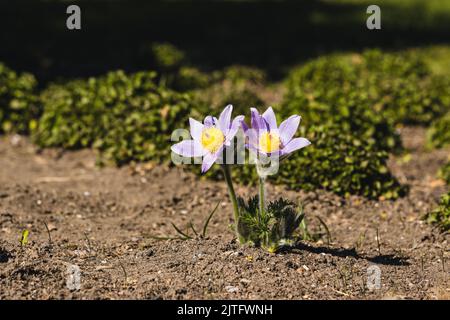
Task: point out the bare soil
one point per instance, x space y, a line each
103 220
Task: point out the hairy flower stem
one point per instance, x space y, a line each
266 242
262 196
227 174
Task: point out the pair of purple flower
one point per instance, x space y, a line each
264 137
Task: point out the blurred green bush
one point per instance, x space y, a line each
350 105
18 101
341 161
341 103
174 70
444 173
397 86
167 57
126 117
190 78
236 85
438 134
242 74
441 215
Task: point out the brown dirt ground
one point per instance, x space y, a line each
102 220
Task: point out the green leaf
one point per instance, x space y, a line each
24 237
180 232
205 226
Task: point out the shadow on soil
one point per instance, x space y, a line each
4 255
384 259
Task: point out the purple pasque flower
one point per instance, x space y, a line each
210 137
267 138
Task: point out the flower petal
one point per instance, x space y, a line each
255 151
237 121
257 121
288 128
210 121
267 126
196 129
209 159
225 118
244 126
295 144
269 116
235 125
252 138
188 148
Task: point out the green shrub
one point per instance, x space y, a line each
350 105
71 119
174 70
412 100
328 89
351 111
444 173
439 132
18 101
441 215
236 85
177 74
238 74
395 65
342 162
190 78
167 56
126 117
242 98
409 91
340 99
398 86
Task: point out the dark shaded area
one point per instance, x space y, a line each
271 35
389 259
384 259
4 255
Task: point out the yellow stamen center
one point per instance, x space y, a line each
269 142
212 139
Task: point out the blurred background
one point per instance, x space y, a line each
137 70
374 103
271 35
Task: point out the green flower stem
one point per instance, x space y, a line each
262 196
227 174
